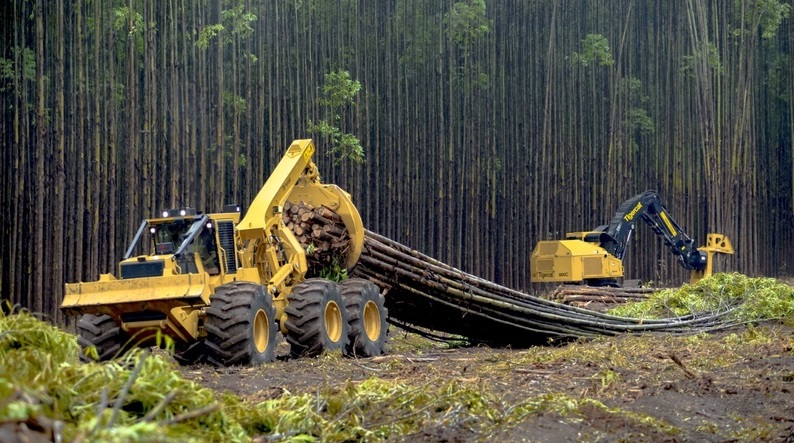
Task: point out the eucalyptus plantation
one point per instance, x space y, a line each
468 130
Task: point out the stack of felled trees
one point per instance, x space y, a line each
321 233
598 298
422 292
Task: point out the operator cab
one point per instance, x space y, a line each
185 236
168 237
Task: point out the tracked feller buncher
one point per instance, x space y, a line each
595 257
222 287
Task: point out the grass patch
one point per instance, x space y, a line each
750 299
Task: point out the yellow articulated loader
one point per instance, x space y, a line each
222 287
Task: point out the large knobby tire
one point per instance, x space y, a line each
102 332
367 316
315 318
240 326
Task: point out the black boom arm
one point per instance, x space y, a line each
647 206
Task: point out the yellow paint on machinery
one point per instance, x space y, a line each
294 179
595 257
262 250
715 243
572 260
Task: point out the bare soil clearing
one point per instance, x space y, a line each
735 385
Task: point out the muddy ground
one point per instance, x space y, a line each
729 386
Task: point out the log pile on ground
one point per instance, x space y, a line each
598 298
321 233
422 292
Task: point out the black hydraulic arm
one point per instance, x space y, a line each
648 206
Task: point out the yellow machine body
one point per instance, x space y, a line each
168 301
595 257
715 243
575 260
294 179
572 260
266 252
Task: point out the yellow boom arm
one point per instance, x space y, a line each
265 244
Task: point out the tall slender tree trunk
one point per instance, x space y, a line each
13 284
220 165
40 191
111 190
175 126
234 163
441 190
57 239
80 147
131 190
145 87
96 202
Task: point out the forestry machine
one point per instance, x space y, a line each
221 288
595 257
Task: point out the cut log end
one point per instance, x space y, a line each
322 235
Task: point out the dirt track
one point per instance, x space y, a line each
731 386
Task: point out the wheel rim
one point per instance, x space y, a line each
333 321
261 331
372 320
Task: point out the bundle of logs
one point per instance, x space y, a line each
422 292
321 233
598 298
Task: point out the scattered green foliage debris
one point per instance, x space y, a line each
478 393
748 299
143 397
139 397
